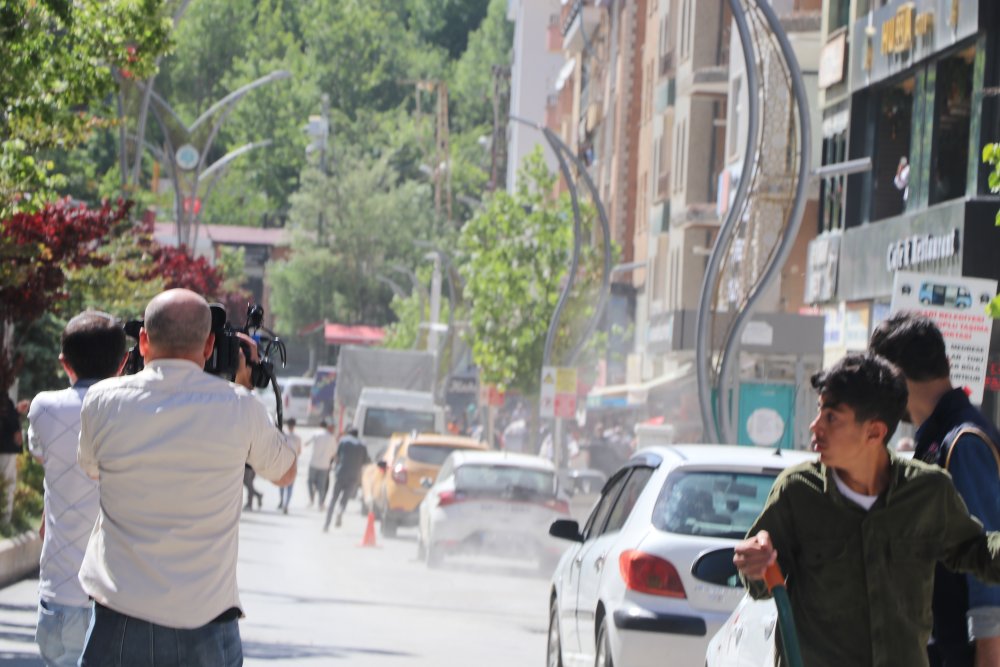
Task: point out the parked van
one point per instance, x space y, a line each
295 392
382 412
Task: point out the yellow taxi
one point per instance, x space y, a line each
408 468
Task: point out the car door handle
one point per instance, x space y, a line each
578 560
598 563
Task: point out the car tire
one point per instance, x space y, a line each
553 657
603 658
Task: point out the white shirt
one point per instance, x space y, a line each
295 442
324 446
71 501
169 444
859 499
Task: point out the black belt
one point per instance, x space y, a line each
231 614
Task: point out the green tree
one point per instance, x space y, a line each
446 23
59 57
991 156
516 253
472 84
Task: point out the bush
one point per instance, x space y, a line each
28 497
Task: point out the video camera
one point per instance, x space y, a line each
225 359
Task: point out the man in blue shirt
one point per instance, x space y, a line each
966 612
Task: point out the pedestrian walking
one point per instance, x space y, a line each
953 434
858 532
92 349
10 447
249 475
295 442
167 446
324 447
350 459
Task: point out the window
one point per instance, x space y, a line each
714 504
505 480
832 188
626 501
952 112
685 28
383 422
840 13
595 522
891 185
430 454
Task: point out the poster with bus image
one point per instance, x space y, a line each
958 306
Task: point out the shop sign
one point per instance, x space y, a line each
831 61
557 395
956 304
920 249
822 259
897 31
856 328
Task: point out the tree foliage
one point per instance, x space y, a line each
58 57
516 255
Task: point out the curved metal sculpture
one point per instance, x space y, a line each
564 153
764 219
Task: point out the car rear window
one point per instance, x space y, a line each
301 390
430 454
715 504
383 422
504 480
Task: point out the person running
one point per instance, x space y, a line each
350 459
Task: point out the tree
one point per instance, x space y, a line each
472 83
58 57
516 254
35 250
991 156
446 23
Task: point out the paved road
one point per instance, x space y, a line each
318 599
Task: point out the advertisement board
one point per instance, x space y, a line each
958 307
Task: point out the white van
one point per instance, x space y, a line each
382 412
295 393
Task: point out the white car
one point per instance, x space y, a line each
499 503
747 637
295 394
650 577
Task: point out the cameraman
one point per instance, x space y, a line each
168 446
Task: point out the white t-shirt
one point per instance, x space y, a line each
169 445
295 442
324 446
859 499
71 500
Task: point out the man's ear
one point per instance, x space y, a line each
143 343
69 369
209 345
877 430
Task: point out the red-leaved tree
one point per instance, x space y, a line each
35 248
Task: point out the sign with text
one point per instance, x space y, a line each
489 394
958 306
547 393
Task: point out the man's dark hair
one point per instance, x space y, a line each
352 431
914 344
869 385
93 345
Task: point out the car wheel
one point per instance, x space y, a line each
603 647
554 655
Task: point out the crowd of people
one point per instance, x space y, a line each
888 560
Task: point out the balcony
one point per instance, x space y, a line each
554 35
579 20
667 63
710 81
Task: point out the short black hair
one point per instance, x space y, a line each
868 384
290 421
352 431
914 344
93 345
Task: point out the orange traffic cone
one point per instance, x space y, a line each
369 539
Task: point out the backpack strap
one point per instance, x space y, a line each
968 429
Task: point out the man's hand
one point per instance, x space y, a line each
752 556
242 376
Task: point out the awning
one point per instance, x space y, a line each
345 334
631 395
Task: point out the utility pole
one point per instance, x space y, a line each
318 130
442 181
435 314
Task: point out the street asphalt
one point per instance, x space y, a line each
315 598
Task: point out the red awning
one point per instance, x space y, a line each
344 334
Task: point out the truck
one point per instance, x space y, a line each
381 392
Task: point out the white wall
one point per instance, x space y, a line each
532 78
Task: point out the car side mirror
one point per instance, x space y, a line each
716 567
382 465
566 529
426 482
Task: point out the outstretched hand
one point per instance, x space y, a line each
753 555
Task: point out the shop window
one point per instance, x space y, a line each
891 186
952 107
832 188
840 11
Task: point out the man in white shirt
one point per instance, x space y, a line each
324 448
93 348
168 446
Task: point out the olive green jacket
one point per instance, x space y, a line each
860 581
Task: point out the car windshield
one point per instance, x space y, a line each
301 390
715 504
430 454
504 480
383 422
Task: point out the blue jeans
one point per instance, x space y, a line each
61 632
285 495
118 640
